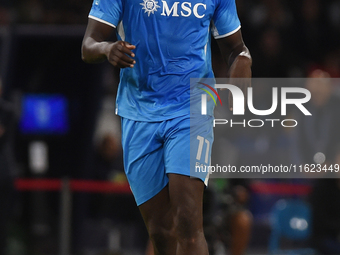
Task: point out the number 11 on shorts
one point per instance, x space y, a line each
201 143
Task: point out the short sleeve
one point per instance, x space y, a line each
106 11
225 19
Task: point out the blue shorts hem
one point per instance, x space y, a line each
142 199
189 175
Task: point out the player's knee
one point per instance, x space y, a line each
160 235
188 225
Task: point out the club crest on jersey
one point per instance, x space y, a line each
150 6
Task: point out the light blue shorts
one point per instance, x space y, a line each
154 149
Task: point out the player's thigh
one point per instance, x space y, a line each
157 212
143 159
186 196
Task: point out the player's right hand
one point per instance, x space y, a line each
120 54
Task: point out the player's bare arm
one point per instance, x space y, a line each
96 48
237 56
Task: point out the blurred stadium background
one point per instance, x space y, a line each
58 123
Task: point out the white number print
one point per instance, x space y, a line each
200 149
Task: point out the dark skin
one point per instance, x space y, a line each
174 216
240 66
96 49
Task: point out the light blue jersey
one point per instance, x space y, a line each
172 40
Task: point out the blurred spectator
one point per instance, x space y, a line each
7 126
315 138
107 121
116 211
271 59
330 63
227 220
271 12
311 30
108 166
325 201
109 159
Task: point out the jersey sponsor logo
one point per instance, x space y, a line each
150 6
186 9
177 9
